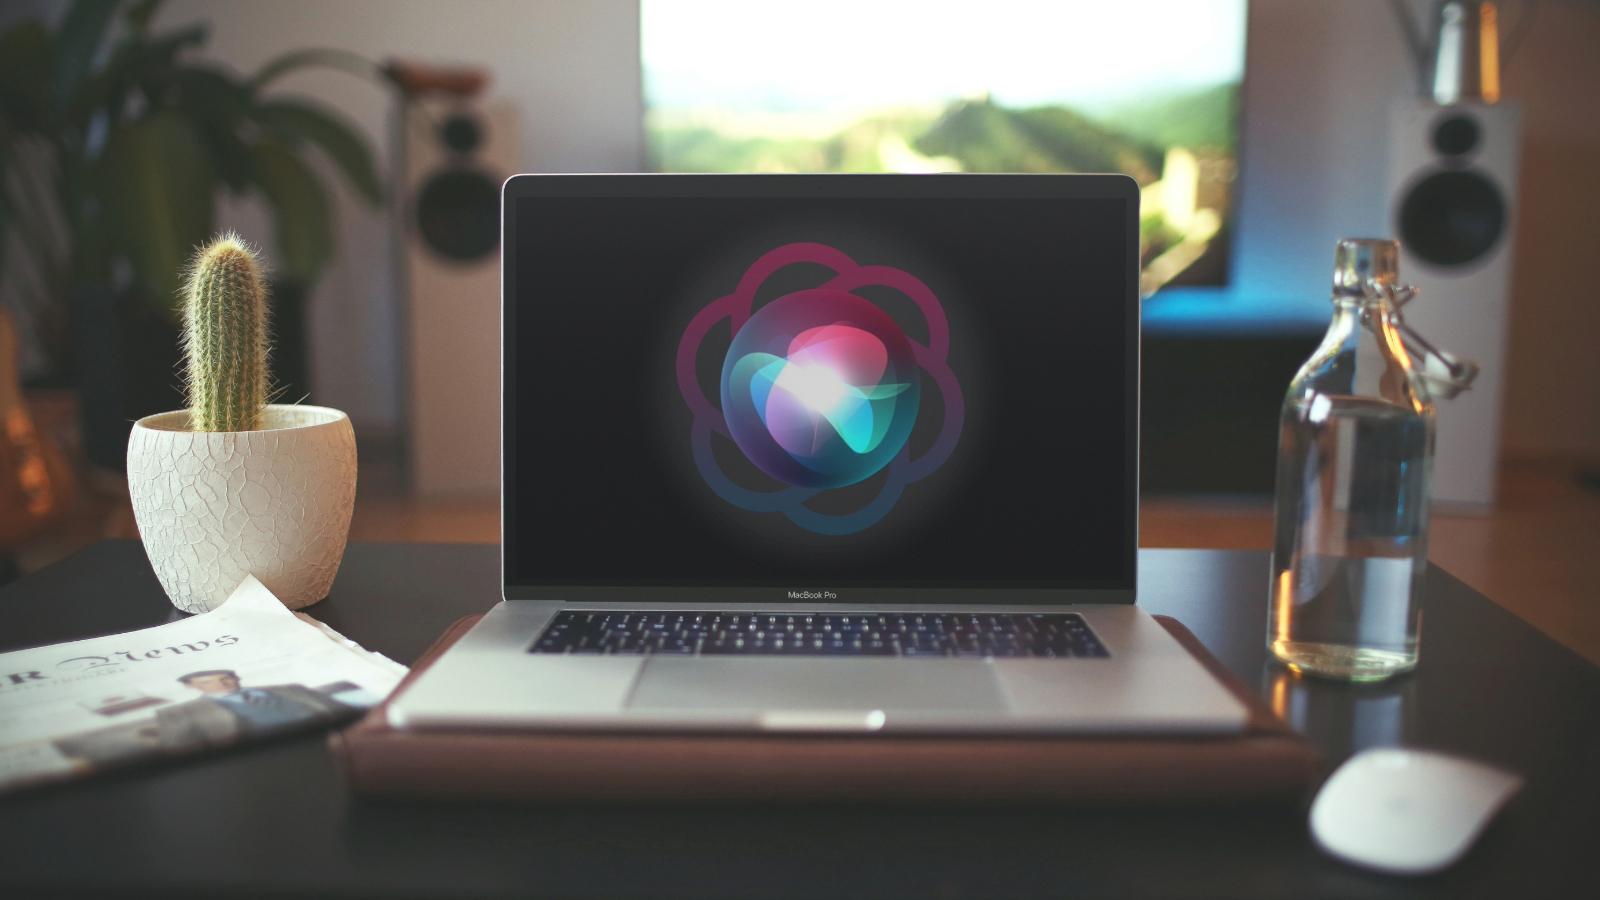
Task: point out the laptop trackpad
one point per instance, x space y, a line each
774 683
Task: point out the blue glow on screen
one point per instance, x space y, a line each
1279 279
1201 309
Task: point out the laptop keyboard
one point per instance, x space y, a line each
692 633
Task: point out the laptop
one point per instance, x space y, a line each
820 453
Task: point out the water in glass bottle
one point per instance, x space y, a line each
1355 450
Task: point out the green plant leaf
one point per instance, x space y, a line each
213 89
133 64
27 54
82 32
140 13
159 189
297 120
302 227
314 57
152 63
217 104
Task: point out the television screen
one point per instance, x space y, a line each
1149 88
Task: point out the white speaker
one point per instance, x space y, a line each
1453 190
457 153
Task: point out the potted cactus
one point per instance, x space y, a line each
234 485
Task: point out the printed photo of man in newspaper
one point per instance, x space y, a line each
227 711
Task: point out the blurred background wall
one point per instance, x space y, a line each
1320 78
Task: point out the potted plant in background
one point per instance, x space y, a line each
115 143
233 485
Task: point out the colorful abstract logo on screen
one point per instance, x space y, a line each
820 389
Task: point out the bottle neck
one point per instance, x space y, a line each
1366 354
1353 302
1370 315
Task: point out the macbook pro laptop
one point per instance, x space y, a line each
831 453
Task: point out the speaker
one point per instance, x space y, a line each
1452 184
457 152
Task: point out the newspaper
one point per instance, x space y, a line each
246 670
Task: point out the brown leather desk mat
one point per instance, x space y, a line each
1268 761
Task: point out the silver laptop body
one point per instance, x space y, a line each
643 509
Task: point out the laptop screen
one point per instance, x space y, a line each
815 388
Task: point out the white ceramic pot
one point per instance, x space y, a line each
275 503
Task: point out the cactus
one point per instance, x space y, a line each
225 337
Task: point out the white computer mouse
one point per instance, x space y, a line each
1407 812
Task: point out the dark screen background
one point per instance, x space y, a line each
603 487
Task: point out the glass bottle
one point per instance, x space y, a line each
1355 453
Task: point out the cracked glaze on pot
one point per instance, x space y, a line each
213 507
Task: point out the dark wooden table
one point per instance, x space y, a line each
276 819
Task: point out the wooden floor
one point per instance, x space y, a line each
1536 553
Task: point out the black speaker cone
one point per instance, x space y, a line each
461 133
458 214
1451 218
1456 135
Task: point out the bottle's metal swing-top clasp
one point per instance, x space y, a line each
1446 374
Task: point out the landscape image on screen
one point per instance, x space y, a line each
1148 88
